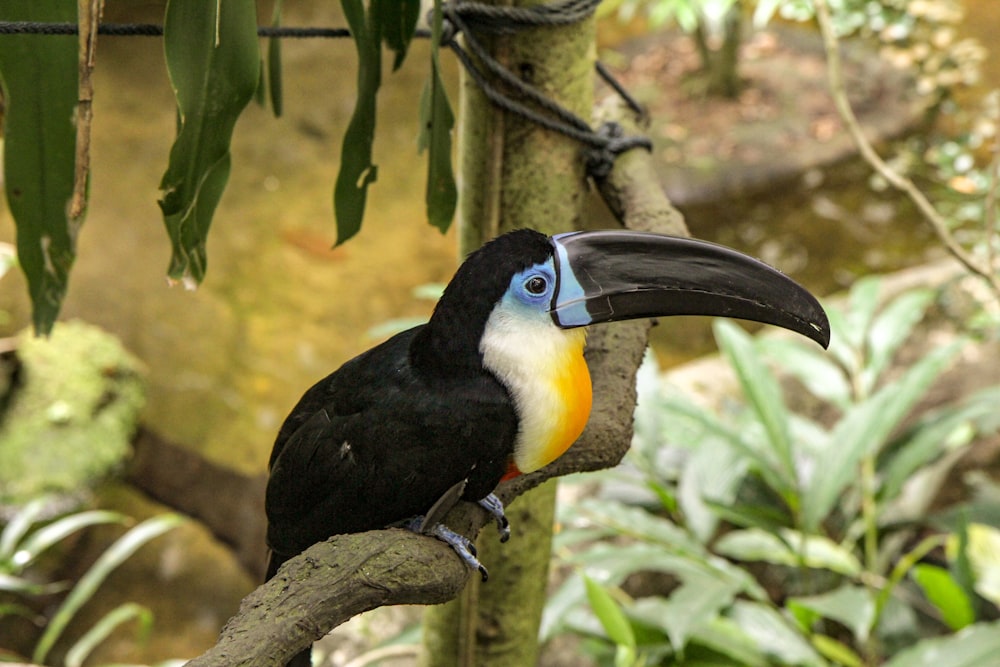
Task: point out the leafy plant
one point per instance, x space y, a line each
27 536
780 537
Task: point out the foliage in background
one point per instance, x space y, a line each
780 538
28 536
212 57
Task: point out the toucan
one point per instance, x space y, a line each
495 384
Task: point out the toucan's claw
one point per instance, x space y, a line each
494 506
462 545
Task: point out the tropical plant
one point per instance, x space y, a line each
29 535
796 526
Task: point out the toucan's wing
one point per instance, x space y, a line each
373 444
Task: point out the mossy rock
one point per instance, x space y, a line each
72 413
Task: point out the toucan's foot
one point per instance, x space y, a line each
462 545
493 505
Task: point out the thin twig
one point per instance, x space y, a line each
871 156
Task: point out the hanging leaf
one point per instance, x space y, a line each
39 78
399 22
356 169
214 62
274 64
436 124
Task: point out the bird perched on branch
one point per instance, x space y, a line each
495 384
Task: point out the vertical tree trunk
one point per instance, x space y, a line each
515 174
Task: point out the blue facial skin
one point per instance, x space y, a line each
532 289
569 306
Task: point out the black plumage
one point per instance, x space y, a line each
383 437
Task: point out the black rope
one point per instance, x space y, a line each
153 30
602 146
469 18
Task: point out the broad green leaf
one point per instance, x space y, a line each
864 430
436 123
357 171
710 478
975 646
889 330
862 303
941 431
982 551
791 549
764 462
214 64
945 594
851 606
608 564
811 366
690 606
726 637
274 64
764 394
774 634
609 613
38 74
116 554
399 22
639 524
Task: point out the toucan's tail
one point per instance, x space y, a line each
274 561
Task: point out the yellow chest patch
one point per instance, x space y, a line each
543 368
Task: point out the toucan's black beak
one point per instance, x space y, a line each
604 276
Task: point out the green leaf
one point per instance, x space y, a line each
774 634
728 638
934 435
711 477
609 613
863 431
43 538
764 394
812 367
100 631
399 22
639 524
691 606
684 413
274 64
981 551
120 551
38 74
851 606
20 585
791 549
18 527
890 329
945 594
837 651
975 646
214 64
436 124
356 169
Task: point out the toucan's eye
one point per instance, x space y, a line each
536 285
